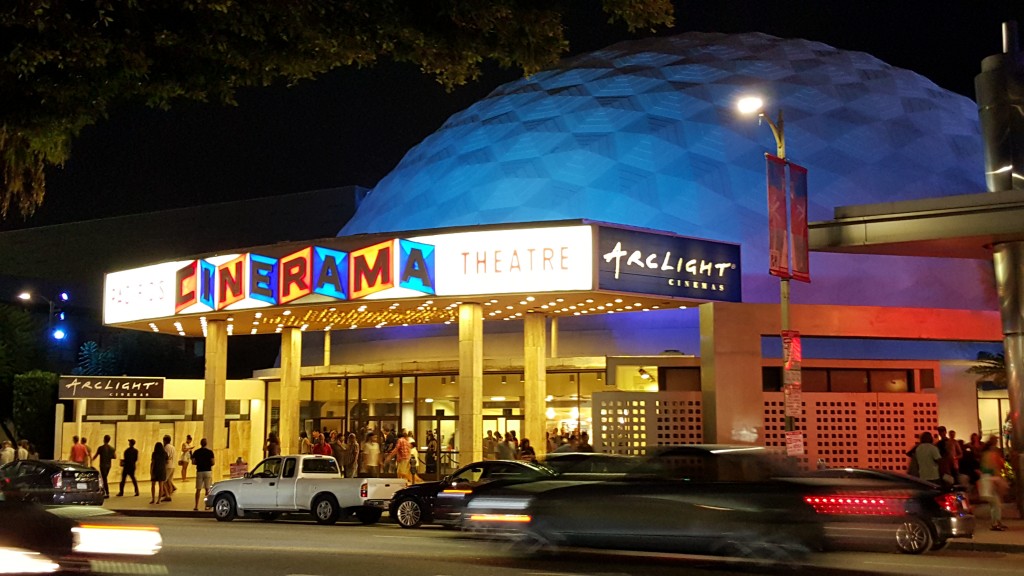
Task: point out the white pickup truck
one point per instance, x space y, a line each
302 483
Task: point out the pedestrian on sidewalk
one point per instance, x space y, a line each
87 451
131 458
992 484
170 464
185 458
158 474
75 455
106 454
22 451
203 459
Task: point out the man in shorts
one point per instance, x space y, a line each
203 459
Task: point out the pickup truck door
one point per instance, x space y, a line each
259 488
286 485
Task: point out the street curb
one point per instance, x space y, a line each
971 546
166 513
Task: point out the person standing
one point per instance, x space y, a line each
431 453
22 451
128 463
158 474
526 452
6 453
416 464
490 446
170 463
371 456
350 455
185 458
926 456
304 445
273 445
86 452
203 458
33 454
505 448
106 454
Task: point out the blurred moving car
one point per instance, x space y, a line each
35 540
731 500
916 515
51 482
414 506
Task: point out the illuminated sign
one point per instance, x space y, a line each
666 265
73 387
556 258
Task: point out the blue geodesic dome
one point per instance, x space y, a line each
645 133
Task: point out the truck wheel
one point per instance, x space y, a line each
368 515
913 536
408 513
224 508
325 510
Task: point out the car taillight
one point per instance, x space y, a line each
856 505
364 491
948 502
57 480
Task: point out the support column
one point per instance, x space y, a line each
216 380
258 431
732 402
535 374
80 406
471 383
291 374
1009 268
327 348
58 432
554 337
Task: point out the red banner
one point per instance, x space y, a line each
778 241
798 221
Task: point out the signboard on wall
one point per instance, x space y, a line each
667 265
110 387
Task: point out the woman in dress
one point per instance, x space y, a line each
350 455
185 458
273 446
158 473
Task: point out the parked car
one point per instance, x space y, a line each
921 516
51 482
414 506
306 483
35 539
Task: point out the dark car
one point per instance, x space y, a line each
36 539
415 505
918 515
51 482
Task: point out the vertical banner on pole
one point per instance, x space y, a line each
798 221
778 234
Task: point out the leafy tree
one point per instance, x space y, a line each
65 63
35 395
991 367
21 349
96 361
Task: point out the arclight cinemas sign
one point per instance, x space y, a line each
466 263
77 387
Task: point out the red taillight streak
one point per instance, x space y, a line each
948 502
856 505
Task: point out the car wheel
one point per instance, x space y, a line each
325 510
269 516
368 515
408 513
913 536
939 545
224 508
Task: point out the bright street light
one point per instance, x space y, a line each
749 104
754 104
59 333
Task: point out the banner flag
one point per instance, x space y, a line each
798 221
778 254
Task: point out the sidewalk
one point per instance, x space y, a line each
985 540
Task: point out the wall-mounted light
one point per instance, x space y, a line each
522 378
643 374
572 377
504 379
391 382
600 376
444 380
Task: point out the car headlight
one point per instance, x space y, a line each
19 561
101 539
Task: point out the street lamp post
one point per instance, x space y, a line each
790 341
50 332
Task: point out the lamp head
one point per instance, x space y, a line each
25 296
750 105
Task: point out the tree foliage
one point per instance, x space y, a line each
990 367
35 395
21 349
96 361
66 63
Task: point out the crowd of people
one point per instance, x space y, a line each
24 451
945 459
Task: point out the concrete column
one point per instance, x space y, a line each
58 432
1009 268
80 406
535 374
291 367
732 402
471 383
327 348
554 337
216 380
258 430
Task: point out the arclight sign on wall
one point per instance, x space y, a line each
566 258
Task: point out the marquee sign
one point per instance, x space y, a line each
545 259
110 387
667 265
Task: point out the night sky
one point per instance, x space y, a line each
353 126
